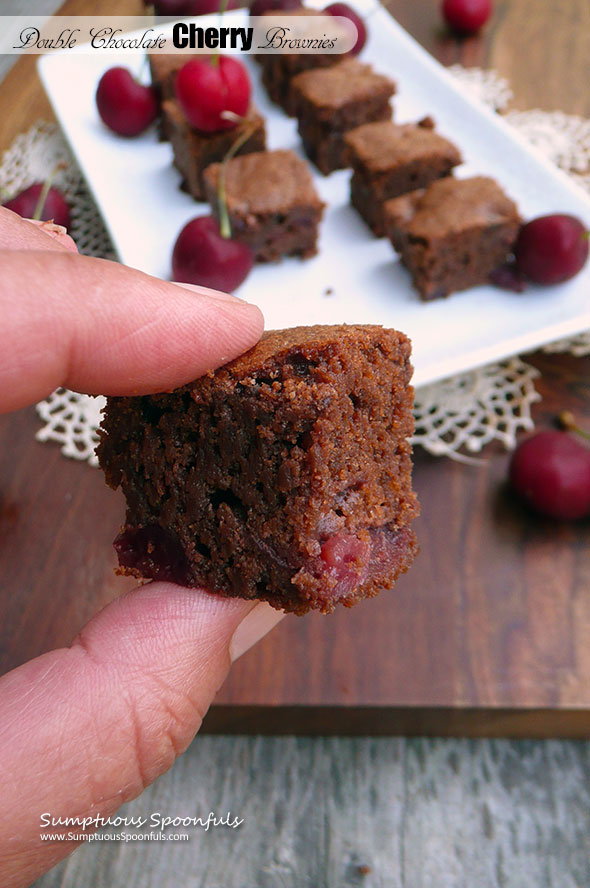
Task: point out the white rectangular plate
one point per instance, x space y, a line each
355 278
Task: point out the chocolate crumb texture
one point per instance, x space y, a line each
284 477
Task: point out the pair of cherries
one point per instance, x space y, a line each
205 89
206 93
213 96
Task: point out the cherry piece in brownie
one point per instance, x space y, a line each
194 150
390 159
453 234
284 476
272 203
331 101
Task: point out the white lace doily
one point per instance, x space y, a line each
71 419
31 158
455 416
472 409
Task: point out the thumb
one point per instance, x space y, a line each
87 728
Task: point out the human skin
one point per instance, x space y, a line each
86 728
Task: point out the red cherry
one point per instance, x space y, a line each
552 249
466 16
346 559
55 206
344 551
551 471
153 552
259 7
205 90
202 256
346 11
125 105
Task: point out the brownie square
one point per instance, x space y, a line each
284 476
390 159
279 68
332 101
272 203
453 234
194 150
163 70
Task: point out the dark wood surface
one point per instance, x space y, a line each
489 631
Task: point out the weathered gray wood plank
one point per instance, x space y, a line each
317 812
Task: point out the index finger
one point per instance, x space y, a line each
17 233
101 328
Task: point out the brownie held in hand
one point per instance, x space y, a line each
453 234
284 476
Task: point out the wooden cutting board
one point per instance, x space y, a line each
488 633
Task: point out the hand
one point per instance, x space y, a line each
87 728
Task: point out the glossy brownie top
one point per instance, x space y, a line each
449 206
265 182
378 147
333 88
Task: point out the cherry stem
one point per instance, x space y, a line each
224 223
567 421
144 67
45 190
222 9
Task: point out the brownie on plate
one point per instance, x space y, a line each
284 476
390 159
163 70
279 68
272 203
194 150
331 101
453 234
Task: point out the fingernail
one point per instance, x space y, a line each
209 293
253 627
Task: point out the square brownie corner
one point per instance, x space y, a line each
278 69
329 102
453 234
272 203
194 150
390 159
